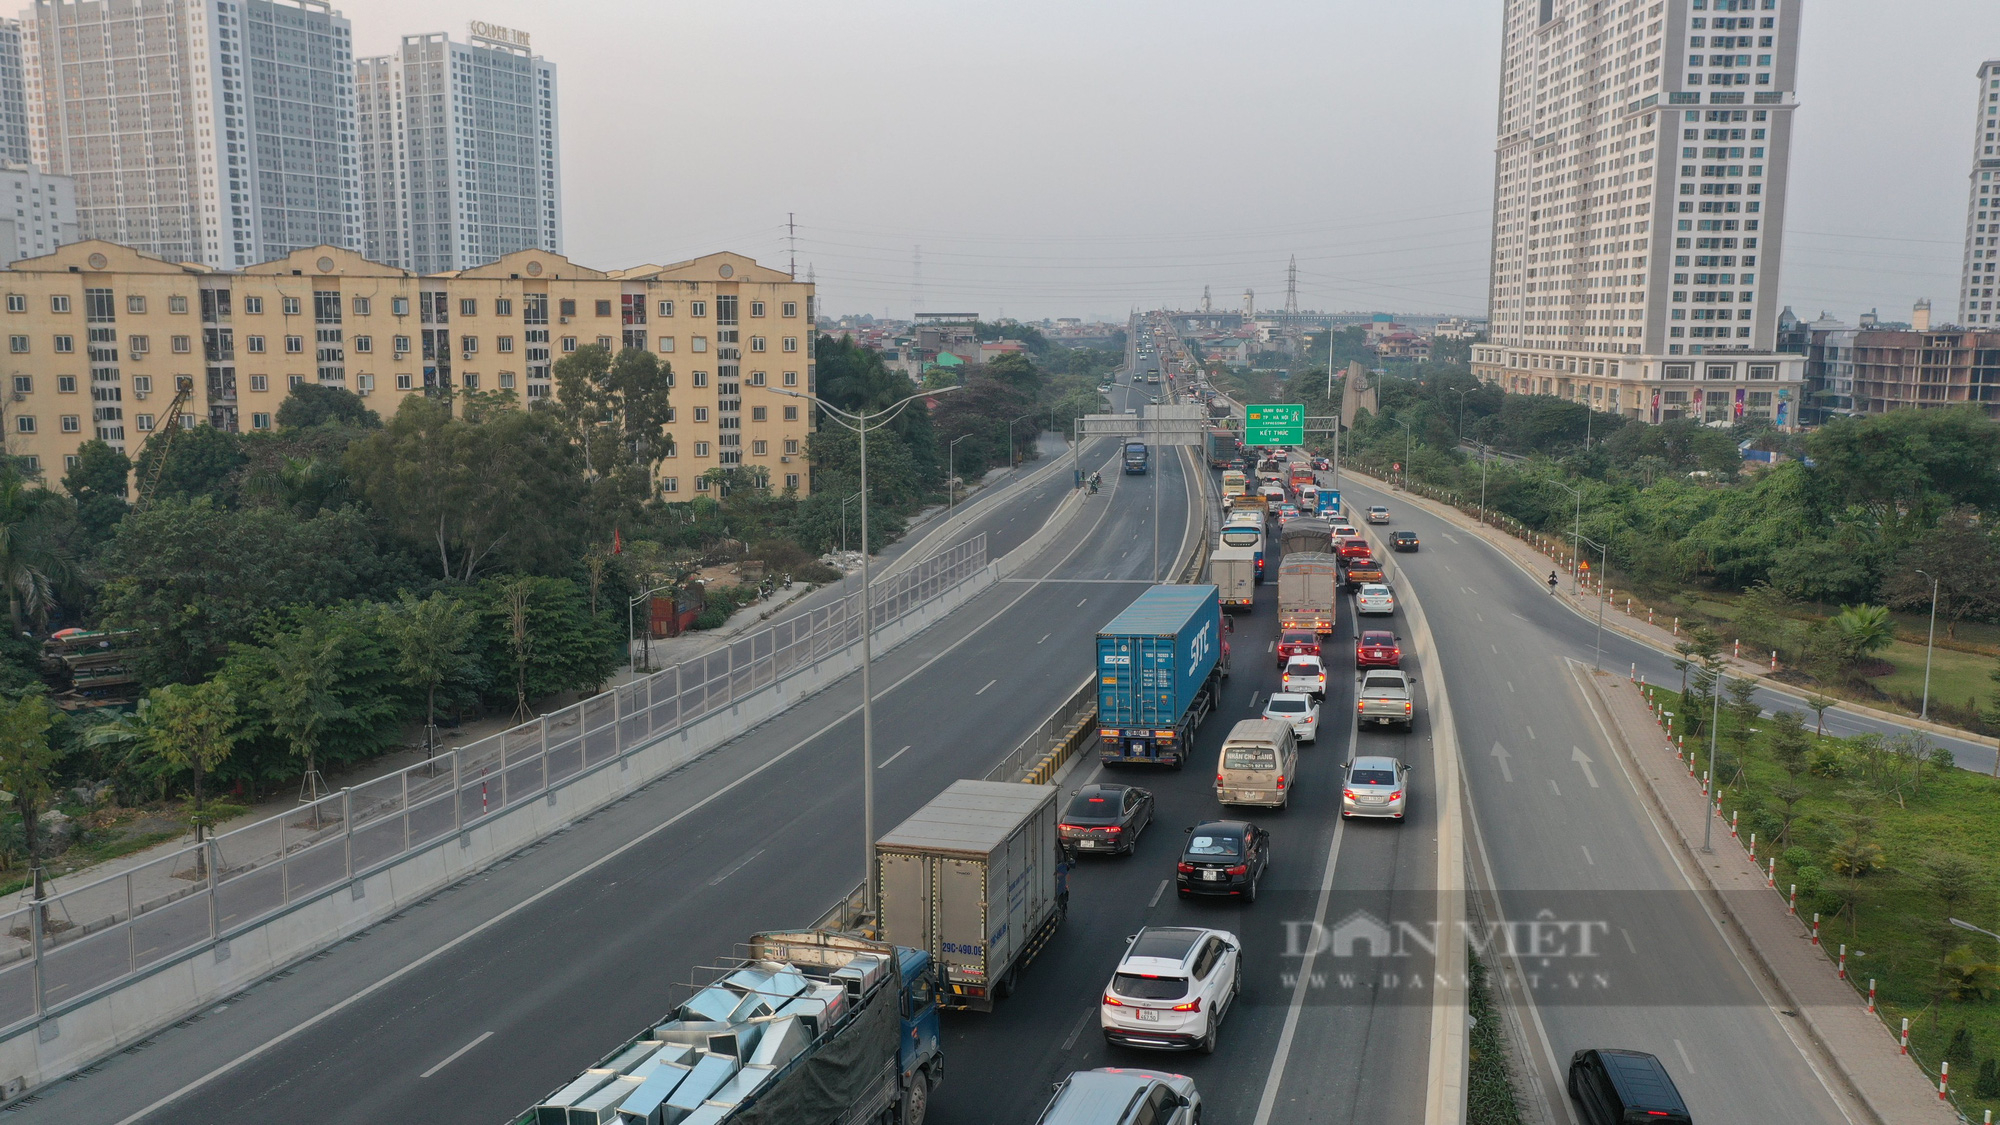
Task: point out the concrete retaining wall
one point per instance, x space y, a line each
69 1039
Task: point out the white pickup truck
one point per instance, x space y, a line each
1385 697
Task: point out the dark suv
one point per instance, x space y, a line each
1613 1087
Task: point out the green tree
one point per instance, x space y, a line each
35 561
1963 555
203 461
1864 630
1788 742
1819 705
194 577
310 404
1788 794
98 483
318 689
189 728
28 761
615 410
540 631
1908 465
433 642
507 491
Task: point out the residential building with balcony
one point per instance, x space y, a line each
100 336
1982 207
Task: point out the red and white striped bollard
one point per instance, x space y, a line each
1771 876
1793 908
1871 994
1840 969
1906 1037
1815 933
1944 1079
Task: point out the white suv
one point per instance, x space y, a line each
1172 989
1305 675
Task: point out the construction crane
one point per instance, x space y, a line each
164 437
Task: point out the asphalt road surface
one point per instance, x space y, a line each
1631 957
574 945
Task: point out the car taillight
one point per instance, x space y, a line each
1070 827
1240 869
1281 783
1111 1001
1184 868
1406 707
1114 830
1349 794
1396 796
1193 1005
1218 781
1361 707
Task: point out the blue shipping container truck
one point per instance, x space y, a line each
1135 456
1158 674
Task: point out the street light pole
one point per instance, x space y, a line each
951 474
631 637
843 520
1461 409
860 422
1482 482
1603 560
1925 713
1714 721
1576 534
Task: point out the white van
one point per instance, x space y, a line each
1259 764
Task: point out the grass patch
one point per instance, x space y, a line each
83 855
1885 843
1490 1097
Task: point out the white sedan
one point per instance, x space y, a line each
1378 514
1298 710
1374 599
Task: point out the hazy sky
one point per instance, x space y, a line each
1084 157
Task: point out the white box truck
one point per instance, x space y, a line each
1233 570
976 878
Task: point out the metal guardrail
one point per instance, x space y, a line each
81 943
1041 755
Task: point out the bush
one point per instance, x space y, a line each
1796 858
1959 1050
1988 1085
1809 877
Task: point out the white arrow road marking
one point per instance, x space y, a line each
1500 755
1577 755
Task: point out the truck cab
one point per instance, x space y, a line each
919 1010
1136 456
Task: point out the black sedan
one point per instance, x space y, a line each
1223 857
1403 540
1106 818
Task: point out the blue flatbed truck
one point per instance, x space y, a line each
811 1026
1159 671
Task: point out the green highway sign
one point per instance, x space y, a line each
1274 423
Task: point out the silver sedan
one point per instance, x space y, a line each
1376 786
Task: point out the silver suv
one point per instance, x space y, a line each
1123 1096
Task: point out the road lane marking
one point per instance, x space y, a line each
989 683
1552 785
1510 687
1085 1019
453 1057
891 758
1480 616
1685 1061
1495 648
433 954
1080 601
1531 732
1045 636
1577 755
1272 647
1254 696
1162 889
1586 856
740 865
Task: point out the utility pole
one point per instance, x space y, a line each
792 242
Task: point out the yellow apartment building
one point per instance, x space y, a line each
100 336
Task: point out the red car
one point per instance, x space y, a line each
1297 642
1378 648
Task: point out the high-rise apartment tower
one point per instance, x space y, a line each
1639 187
210 131
460 151
1982 206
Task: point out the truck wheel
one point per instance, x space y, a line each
916 1101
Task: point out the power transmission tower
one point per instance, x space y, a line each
1292 288
792 243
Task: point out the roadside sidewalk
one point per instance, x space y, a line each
1882 1083
1625 615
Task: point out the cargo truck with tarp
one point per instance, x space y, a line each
809 1026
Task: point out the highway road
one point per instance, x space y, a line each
1635 958
545 961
